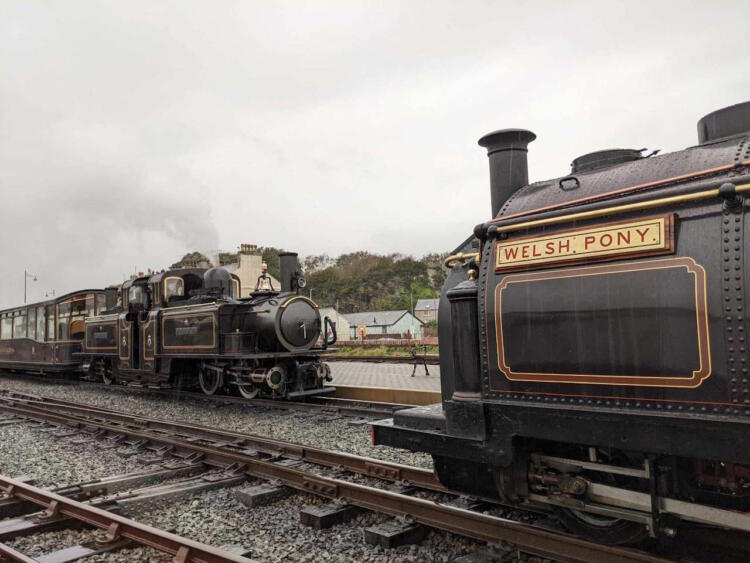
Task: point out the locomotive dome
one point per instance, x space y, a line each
218 278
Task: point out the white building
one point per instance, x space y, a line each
248 269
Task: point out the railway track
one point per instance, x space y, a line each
355 407
58 510
318 472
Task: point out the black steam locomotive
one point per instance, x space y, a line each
594 340
189 327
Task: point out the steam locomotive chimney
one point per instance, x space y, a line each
509 169
288 263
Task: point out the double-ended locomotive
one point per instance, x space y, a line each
189 326
594 340
183 328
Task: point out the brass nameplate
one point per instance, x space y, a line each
651 236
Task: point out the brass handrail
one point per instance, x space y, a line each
650 204
460 257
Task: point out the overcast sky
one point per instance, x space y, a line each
131 132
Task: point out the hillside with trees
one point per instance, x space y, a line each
362 281
358 281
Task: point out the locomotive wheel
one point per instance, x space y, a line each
107 377
210 381
605 529
248 390
104 371
611 531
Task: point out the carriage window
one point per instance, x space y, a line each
19 326
31 326
174 287
40 324
79 312
137 295
90 305
63 320
101 303
51 323
6 327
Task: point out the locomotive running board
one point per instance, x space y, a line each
311 392
636 506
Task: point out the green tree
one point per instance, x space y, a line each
190 260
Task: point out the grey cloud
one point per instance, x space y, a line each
133 132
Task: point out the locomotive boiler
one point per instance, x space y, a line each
190 327
593 340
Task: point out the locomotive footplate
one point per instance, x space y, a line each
309 392
424 429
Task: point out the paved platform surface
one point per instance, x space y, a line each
394 376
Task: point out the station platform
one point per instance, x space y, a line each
385 383
392 376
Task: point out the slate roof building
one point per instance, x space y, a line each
427 310
388 324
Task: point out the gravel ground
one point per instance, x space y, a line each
274 532
41 544
271 533
326 431
27 451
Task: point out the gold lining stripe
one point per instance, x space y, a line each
298 298
164 286
143 340
664 182
97 324
124 326
166 346
169 310
701 311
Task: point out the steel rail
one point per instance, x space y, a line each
358 464
314 403
117 527
475 525
319 403
7 553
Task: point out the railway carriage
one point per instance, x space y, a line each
46 337
594 340
189 327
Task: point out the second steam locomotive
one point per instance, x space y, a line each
188 326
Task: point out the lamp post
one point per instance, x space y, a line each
411 306
26 276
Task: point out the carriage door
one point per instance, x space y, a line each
147 343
